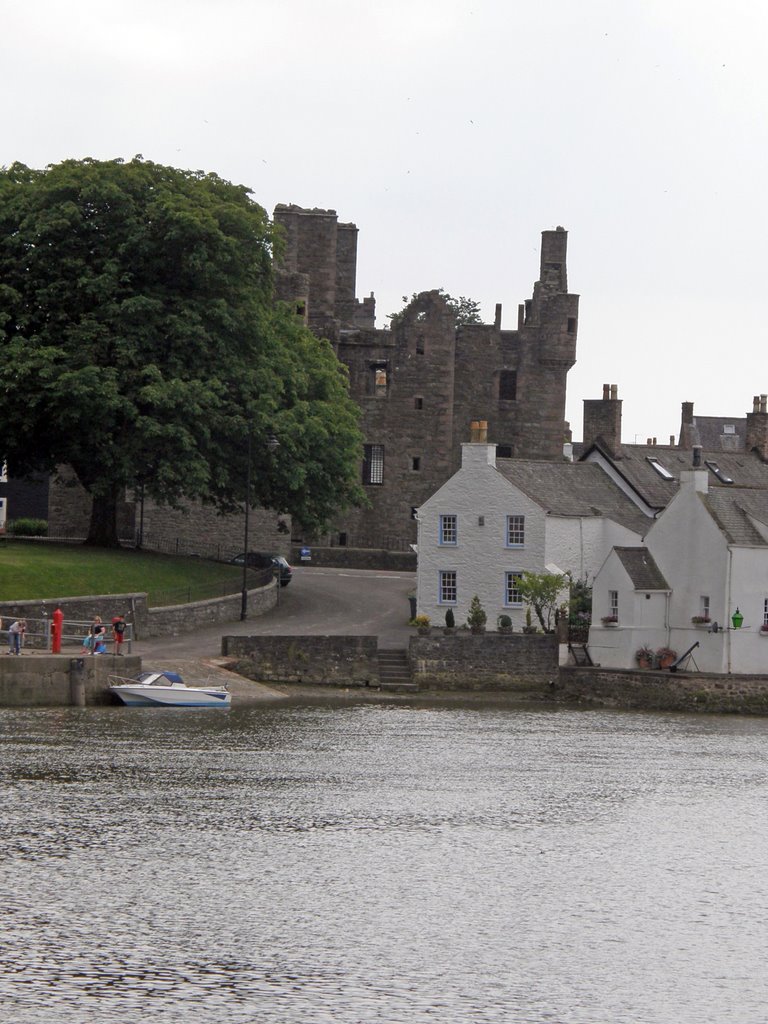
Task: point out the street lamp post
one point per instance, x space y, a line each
272 445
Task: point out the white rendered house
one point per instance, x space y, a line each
706 557
497 518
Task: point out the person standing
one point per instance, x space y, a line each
118 632
98 636
16 632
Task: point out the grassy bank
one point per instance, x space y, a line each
34 571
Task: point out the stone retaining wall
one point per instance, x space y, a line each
173 620
169 620
357 558
664 691
487 661
321 660
45 680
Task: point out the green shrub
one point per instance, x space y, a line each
450 619
27 527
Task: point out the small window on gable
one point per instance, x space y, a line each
661 470
448 529
507 385
765 614
418 402
512 596
515 531
715 468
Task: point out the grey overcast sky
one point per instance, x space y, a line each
452 132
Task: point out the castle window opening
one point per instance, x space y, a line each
420 345
571 324
418 402
373 464
508 386
503 451
416 463
301 309
380 378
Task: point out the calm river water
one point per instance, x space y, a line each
363 863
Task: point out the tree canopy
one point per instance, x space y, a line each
545 592
142 345
466 311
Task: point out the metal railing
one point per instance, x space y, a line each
37 637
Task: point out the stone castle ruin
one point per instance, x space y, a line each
421 383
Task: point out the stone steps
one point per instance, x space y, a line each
395 670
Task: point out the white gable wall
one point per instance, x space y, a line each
480 557
580 545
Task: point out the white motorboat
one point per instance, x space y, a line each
167 689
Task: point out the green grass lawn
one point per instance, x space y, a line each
35 571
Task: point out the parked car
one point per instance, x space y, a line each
264 560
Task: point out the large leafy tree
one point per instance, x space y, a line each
466 311
142 345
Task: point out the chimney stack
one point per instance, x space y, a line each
478 431
602 419
757 427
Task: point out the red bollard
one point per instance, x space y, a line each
56 629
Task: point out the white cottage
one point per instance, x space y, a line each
706 558
496 518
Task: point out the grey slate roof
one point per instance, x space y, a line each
573 489
709 432
642 569
731 507
746 469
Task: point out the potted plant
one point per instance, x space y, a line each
476 619
504 624
665 656
700 620
450 621
764 629
421 622
644 657
529 626
610 620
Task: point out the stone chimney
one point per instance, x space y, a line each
602 420
757 427
687 428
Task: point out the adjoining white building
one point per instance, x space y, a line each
496 518
704 559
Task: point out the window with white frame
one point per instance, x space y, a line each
512 596
448 529
704 607
765 614
515 531
448 586
613 600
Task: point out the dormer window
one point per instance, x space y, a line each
661 470
721 476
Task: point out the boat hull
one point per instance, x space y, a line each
172 697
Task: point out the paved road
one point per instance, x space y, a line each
317 602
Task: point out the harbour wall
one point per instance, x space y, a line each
58 680
312 660
663 691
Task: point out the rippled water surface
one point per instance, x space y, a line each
368 863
